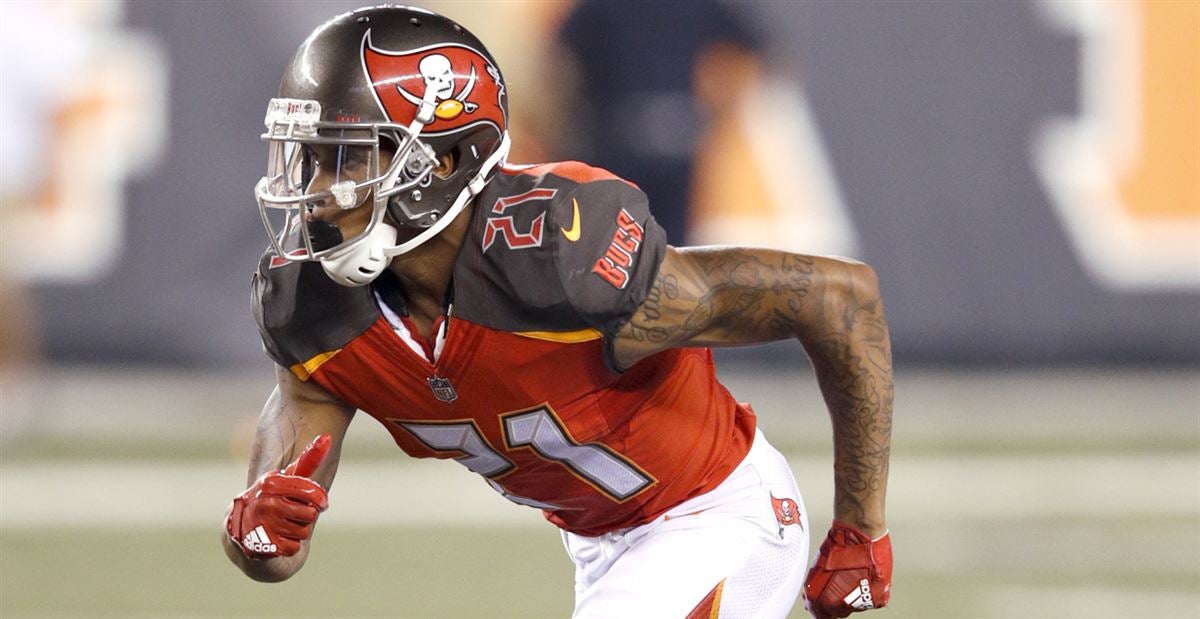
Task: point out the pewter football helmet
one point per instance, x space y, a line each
378 97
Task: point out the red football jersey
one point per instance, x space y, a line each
521 389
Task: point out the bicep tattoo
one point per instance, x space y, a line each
713 297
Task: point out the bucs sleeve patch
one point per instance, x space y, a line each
618 260
608 249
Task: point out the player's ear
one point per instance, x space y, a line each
446 166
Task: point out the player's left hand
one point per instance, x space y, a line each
852 573
277 512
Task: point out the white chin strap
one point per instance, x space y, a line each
360 263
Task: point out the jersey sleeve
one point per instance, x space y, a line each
608 251
303 315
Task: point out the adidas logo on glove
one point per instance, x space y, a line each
257 541
859 599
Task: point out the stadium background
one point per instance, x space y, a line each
1024 175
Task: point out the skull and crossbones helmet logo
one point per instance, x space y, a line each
438 73
464 84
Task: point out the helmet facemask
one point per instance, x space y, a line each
355 156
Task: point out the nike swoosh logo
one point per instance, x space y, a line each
572 233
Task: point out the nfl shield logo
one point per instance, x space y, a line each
442 389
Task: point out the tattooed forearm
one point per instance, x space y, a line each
732 296
854 368
275 438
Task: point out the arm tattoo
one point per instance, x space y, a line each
275 439
855 373
723 296
731 296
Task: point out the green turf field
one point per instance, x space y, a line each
1033 495
356 572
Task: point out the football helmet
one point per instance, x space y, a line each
372 103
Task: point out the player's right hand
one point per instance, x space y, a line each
277 512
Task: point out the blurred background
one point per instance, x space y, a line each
1024 176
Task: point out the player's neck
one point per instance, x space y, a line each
425 272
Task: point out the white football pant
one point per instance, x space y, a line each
726 548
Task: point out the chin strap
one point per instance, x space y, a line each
362 262
472 189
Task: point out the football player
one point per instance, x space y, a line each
532 324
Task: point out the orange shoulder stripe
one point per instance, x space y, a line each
563 337
304 370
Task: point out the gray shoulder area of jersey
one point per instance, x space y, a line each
302 313
535 256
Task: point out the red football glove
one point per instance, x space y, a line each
277 512
852 573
